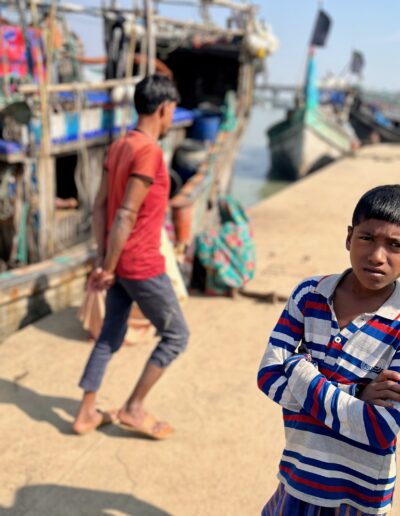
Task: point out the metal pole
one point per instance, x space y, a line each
128 73
151 44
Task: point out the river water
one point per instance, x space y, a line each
250 181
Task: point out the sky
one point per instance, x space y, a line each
371 26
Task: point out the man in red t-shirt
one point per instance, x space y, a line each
128 216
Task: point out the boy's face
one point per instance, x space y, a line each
374 247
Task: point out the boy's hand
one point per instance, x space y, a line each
384 390
100 279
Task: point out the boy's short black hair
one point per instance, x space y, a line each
152 91
382 203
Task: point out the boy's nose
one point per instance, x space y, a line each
377 256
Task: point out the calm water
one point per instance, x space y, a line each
250 182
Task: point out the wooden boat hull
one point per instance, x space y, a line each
305 142
34 291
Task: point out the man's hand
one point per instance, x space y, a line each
101 279
384 390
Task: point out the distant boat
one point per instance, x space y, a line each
305 142
372 125
309 138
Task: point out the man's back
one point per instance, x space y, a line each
139 155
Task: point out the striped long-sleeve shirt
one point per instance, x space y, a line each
339 449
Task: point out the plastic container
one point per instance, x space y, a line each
182 115
58 129
72 121
205 125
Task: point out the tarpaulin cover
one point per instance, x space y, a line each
13 57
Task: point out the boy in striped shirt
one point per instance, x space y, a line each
333 364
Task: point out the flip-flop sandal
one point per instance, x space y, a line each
147 428
108 418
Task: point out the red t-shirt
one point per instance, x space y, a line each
139 154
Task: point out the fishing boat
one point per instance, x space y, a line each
372 123
56 127
311 136
305 142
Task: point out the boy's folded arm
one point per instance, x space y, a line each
283 343
349 388
284 340
360 421
272 379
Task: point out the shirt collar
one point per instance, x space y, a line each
390 308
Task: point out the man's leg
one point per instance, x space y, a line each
157 300
118 305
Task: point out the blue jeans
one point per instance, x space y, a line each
157 300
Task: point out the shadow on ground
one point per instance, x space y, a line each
65 324
39 407
55 500
38 307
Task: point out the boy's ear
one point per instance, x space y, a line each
349 235
162 109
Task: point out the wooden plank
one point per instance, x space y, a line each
17 157
79 86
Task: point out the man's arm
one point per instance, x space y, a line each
361 421
99 219
124 221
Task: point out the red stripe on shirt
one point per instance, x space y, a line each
264 378
385 328
317 306
332 375
335 489
378 432
301 418
317 390
286 322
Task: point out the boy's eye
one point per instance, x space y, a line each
365 237
396 245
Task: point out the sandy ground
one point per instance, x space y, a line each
224 455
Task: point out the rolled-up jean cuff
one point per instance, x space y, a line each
162 364
88 386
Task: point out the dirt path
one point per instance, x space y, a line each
224 455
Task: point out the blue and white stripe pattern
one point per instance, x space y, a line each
339 450
284 504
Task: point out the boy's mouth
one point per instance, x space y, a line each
374 271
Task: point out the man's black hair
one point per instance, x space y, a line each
382 203
152 91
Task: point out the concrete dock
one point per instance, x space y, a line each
224 454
